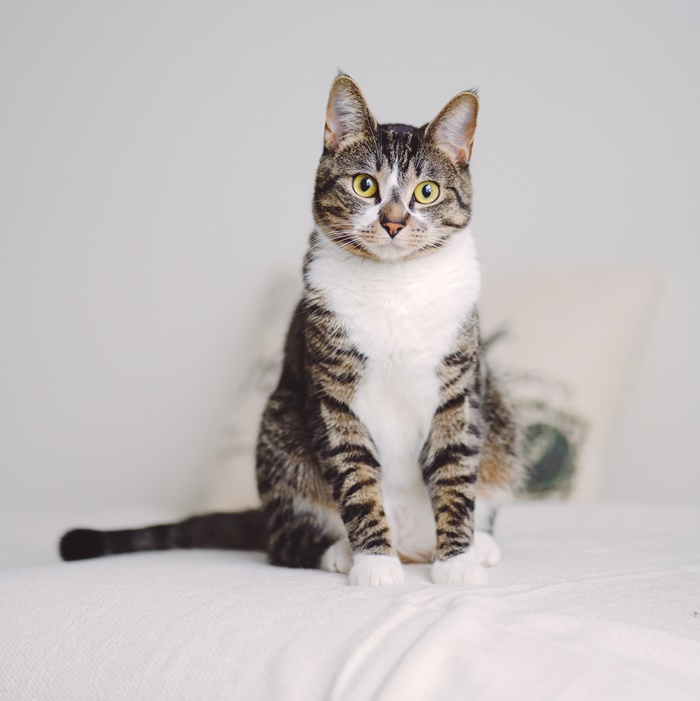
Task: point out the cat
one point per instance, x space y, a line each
387 438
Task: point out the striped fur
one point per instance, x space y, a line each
468 445
387 437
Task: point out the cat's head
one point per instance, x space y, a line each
391 191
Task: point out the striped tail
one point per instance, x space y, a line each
227 531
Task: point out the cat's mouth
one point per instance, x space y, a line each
380 243
392 241
388 241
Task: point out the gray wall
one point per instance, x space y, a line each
156 163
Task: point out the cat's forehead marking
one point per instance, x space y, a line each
392 180
393 140
400 159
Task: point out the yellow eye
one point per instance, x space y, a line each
427 192
364 185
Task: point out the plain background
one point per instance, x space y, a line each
156 168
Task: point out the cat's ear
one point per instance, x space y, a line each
347 114
453 129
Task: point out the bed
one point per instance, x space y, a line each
591 601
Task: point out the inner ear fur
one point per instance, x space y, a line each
347 114
453 129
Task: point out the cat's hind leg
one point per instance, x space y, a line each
302 521
338 557
306 535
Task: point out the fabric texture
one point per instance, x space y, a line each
590 602
564 345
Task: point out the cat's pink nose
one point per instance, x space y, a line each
393 227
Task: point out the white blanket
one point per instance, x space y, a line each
589 602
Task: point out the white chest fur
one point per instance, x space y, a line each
404 317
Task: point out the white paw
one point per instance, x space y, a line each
338 557
485 549
460 569
376 571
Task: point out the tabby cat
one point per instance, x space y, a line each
386 439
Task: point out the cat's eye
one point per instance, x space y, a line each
427 192
364 185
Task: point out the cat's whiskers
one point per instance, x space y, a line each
335 236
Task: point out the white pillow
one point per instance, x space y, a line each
564 344
568 350
232 486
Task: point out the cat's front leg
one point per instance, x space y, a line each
450 463
352 470
346 450
451 471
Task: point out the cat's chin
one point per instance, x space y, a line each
382 253
393 254
391 251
